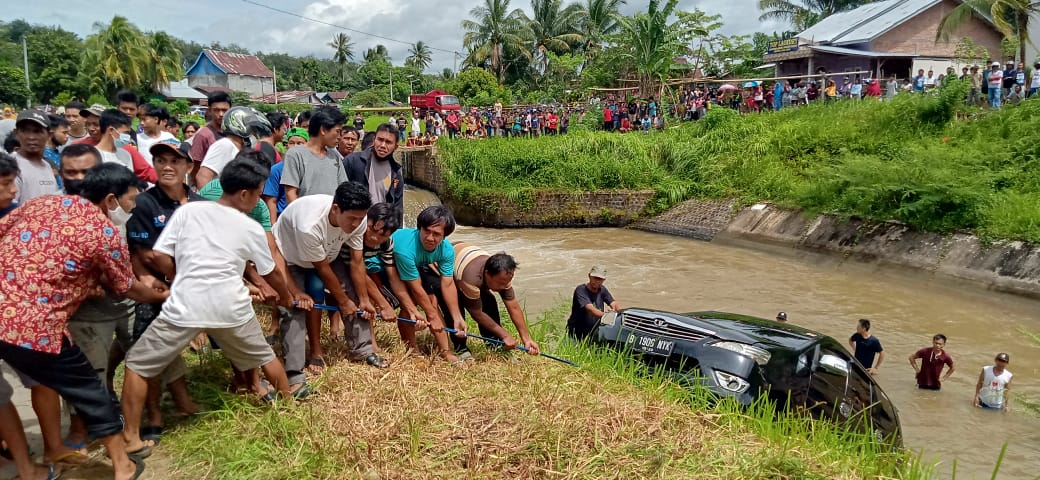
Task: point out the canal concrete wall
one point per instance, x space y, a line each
1006 266
423 168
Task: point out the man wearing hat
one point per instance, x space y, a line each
994 383
92 124
781 317
1010 75
36 178
588 304
993 82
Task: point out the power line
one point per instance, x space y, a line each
287 12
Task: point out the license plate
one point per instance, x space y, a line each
650 344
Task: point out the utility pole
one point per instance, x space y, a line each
275 70
25 61
391 79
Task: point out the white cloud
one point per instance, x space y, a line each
435 22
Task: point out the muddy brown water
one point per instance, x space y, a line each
821 293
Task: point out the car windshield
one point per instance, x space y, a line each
448 100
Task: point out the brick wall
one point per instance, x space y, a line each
422 168
917 35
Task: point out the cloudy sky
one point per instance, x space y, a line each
435 22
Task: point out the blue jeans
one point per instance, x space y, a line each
994 97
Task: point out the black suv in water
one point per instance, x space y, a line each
746 357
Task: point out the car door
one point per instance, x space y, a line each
830 378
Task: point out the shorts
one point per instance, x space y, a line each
6 392
163 342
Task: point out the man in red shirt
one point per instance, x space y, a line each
219 103
932 361
608 118
55 251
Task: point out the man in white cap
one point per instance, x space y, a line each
993 385
994 81
587 305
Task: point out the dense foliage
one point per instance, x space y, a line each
906 160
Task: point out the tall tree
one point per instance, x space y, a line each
803 14
116 56
343 50
553 29
597 19
164 61
1011 17
494 32
653 44
379 52
419 56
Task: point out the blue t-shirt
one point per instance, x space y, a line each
274 188
919 83
409 255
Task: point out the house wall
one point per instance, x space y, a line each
917 35
255 86
208 80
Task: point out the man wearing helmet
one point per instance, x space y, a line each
240 123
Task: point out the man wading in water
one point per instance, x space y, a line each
932 360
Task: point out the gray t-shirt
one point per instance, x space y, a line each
378 180
312 174
35 179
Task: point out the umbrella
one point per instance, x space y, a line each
727 88
750 84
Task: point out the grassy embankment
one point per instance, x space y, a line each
502 419
908 160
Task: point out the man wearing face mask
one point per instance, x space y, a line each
240 127
110 131
71 237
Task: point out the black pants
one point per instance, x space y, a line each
431 281
71 375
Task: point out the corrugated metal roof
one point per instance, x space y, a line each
239 64
858 53
833 27
898 13
180 89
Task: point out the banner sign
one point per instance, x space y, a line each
781 46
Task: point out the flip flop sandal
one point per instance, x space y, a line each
153 433
138 467
302 392
271 394
141 453
377 361
316 362
66 458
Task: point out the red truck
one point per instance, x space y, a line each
437 101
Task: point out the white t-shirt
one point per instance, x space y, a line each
144 143
208 291
35 179
992 393
119 156
220 154
415 124
305 235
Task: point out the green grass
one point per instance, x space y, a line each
612 418
927 161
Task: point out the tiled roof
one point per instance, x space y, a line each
239 64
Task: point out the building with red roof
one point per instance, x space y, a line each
232 71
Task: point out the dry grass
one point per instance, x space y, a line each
503 417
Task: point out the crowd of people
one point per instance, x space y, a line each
137 243
425 127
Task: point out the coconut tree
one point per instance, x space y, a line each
343 51
379 52
653 43
553 29
419 56
1011 17
115 55
596 20
803 14
164 60
493 30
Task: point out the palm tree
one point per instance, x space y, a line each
1011 17
379 52
447 74
596 20
493 30
553 28
343 49
116 55
653 44
419 56
164 60
803 14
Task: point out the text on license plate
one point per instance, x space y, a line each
650 344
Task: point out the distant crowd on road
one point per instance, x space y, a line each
424 128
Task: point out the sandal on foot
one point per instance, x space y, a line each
70 458
318 363
141 453
138 467
301 392
271 394
153 433
375 360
